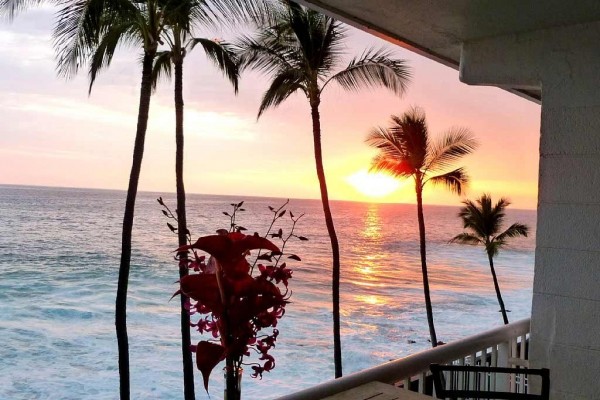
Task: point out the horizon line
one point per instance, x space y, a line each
243 195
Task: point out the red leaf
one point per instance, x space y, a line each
208 355
203 288
243 286
228 248
236 269
215 245
253 242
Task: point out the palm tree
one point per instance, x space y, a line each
300 52
89 31
484 221
405 150
181 16
176 39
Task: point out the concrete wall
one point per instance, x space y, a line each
565 322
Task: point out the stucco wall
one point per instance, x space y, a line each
565 323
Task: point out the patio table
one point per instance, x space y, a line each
377 391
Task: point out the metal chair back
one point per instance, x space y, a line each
482 382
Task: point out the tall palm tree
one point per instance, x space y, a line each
484 222
405 150
176 40
181 17
89 31
301 51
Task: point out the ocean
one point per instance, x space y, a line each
59 258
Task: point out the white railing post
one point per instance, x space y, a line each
502 381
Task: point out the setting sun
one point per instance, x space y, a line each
373 184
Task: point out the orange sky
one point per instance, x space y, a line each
54 134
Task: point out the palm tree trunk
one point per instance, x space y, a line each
335 247
188 365
134 177
421 218
497 287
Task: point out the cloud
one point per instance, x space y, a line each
43 152
205 124
25 49
71 109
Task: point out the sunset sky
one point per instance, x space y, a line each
53 134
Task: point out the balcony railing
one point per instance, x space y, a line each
505 346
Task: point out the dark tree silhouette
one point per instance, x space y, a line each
88 32
301 51
484 222
405 150
181 17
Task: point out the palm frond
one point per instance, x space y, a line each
374 68
330 48
406 138
474 219
411 129
229 13
162 68
223 56
117 35
282 87
494 215
10 8
398 168
455 180
77 29
454 145
466 238
498 211
265 54
388 144
317 39
485 219
80 26
515 230
492 248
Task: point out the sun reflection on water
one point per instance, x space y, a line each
372 223
371 300
368 262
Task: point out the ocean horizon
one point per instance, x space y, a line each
375 200
59 259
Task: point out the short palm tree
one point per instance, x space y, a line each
89 31
301 52
484 222
405 150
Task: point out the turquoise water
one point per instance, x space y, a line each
59 257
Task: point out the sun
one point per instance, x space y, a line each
375 184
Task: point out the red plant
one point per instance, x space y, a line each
234 305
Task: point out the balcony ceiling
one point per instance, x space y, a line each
436 28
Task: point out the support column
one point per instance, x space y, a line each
565 322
